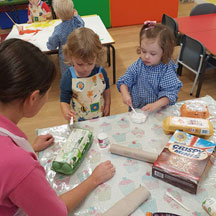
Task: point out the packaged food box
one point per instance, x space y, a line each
196 126
73 151
194 109
184 161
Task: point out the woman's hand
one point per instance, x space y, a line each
103 172
42 142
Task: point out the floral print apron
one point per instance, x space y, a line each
87 95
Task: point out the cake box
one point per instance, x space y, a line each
184 161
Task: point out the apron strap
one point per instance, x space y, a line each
73 73
20 141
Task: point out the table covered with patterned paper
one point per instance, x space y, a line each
130 173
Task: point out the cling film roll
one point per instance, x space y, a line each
73 151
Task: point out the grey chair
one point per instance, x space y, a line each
204 8
173 25
209 63
193 56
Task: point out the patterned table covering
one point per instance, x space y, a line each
130 173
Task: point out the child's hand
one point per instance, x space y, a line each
150 107
127 99
103 172
68 114
106 111
42 142
156 105
29 20
75 13
46 15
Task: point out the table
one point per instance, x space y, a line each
130 173
201 28
40 39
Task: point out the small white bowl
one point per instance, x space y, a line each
138 117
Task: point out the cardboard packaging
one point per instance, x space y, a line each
184 161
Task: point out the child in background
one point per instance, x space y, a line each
64 10
24 87
38 11
85 84
151 82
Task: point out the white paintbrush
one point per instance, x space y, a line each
19 28
133 109
172 197
10 18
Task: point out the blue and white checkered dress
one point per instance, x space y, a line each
60 35
147 84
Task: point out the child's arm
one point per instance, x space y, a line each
156 105
77 20
30 20
107 102
125 95
126 81
53 41
101 173
66 95
170 84
67 111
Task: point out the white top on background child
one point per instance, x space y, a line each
151 82
85 85
38 11
64 10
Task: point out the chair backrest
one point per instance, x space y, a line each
171 23
204 8
190 52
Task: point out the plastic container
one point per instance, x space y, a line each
194 109
73 151
196 126
139 116
103 140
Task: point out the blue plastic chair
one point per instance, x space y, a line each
173 25
205 8
193 56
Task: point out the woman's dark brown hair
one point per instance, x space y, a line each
165 38
23 69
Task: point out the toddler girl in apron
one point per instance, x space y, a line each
85 92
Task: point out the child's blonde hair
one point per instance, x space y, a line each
165 38
64 9
85 44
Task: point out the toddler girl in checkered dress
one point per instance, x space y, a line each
151 82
